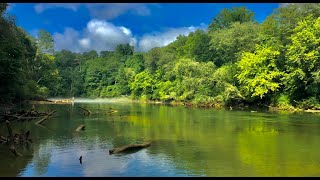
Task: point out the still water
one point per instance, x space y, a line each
185 142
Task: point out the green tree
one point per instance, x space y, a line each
303 62
258 73
228 44
45 42
228 16
197 46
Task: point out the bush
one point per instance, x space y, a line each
283 102
310 103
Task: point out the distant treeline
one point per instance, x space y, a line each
237 61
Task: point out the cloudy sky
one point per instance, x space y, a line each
81 27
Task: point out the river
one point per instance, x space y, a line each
185 142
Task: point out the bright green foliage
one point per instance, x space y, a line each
258 72
193 78
288 17
303 58
228 16
142 86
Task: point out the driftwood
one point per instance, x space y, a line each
86 110
45 118
129 147
45 127
22 115
80 127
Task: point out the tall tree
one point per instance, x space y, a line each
228 16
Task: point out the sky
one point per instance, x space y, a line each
81 27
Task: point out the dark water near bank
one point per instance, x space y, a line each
185 142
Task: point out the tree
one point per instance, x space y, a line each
136 62
228 44
258 73
45 42
151 59
16 56
228 16
124 50
3 7
197 46
303 62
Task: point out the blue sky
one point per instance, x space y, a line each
83 27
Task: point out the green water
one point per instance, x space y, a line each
185 142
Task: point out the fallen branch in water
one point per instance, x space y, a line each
14 151
45 118
14 139
129 147
86 110
22 115
80 127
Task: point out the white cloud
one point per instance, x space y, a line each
104 36
159 39
40 7
98 35
105 11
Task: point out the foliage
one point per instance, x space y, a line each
236 62
228 44
258 72
228 16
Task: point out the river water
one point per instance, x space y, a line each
185 142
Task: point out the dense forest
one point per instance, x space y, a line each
235 62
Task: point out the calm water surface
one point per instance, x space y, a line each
185 142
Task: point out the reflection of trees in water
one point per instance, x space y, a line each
42 158
290 152
11 165
214 143
227 143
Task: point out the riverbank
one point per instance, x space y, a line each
240 106
236 107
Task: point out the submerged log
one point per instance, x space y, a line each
9 130
45 118
14 151
86 110
80 127
129 147
22 115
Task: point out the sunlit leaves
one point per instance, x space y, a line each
258 73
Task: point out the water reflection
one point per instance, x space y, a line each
185 142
